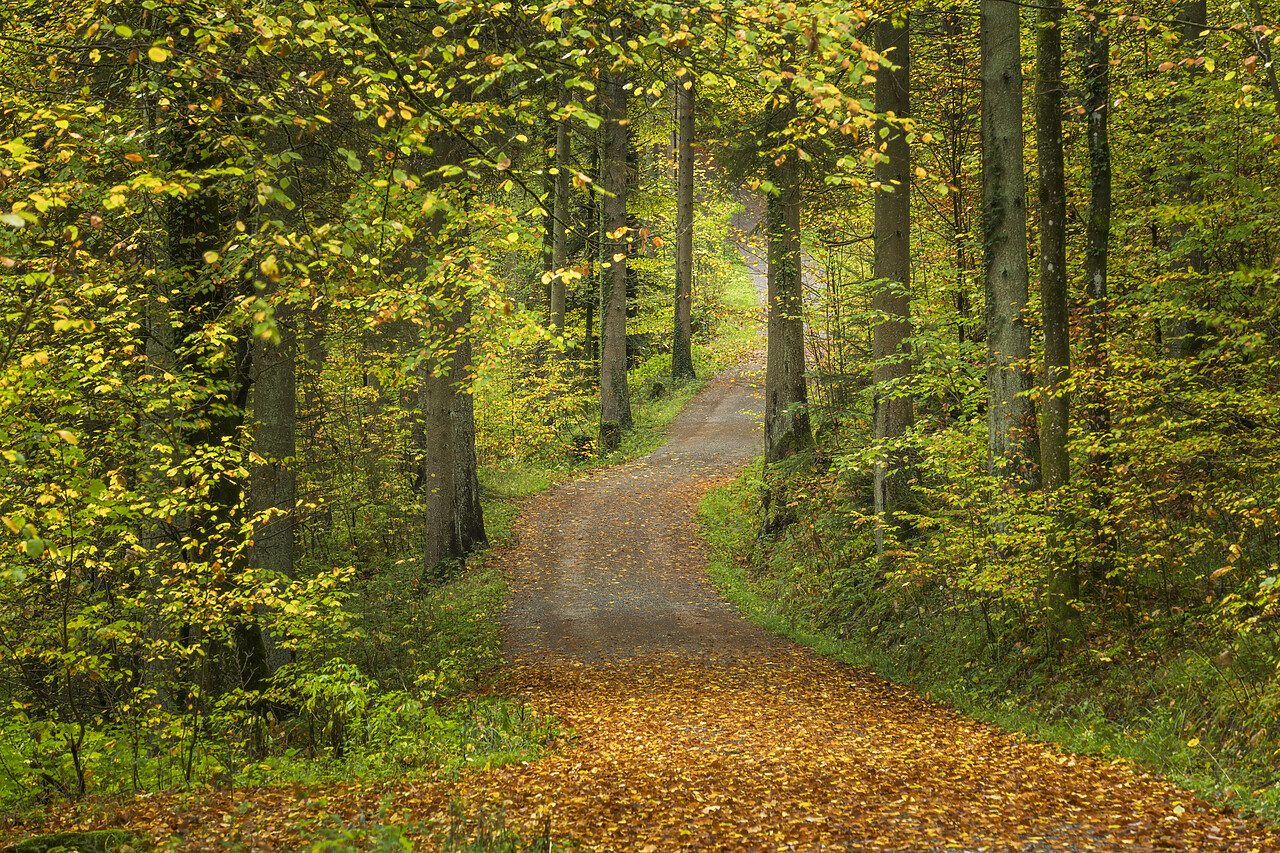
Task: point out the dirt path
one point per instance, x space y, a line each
609 568
695 730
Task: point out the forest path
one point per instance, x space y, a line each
688 728
695 730
610 567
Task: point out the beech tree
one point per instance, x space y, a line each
893 411
615 396
682 335
1010 412
786 416
1097 313
1064 587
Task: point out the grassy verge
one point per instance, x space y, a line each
1086 705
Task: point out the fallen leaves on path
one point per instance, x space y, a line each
788 753
799 753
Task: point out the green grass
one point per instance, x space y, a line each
1053 701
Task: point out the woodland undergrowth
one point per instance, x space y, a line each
389 680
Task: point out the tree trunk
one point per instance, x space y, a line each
893 412
1182 336
272 479
468 515
1064 584
593 217
682 338
437 467
560 214
786 413
1097 312
1012 438
615 398
437 471
196 224
313 353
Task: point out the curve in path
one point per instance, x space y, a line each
610 567
695 730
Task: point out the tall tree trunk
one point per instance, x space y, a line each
1064 584
313 353
1182 335
1012 436
615 397
959 121
593 217
196 224
682 338
272 479
786 413
437 466
560 214
893 411
1097 336
433 433
468 515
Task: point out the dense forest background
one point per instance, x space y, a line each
294 297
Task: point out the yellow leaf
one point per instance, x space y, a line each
157 54
68 437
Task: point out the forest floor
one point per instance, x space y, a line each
686 727
696 730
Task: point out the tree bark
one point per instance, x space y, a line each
468 514
1012 436
1064 584
1096 320
893 411
437 471
682 337
786 413
560 217
273 478
615 397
